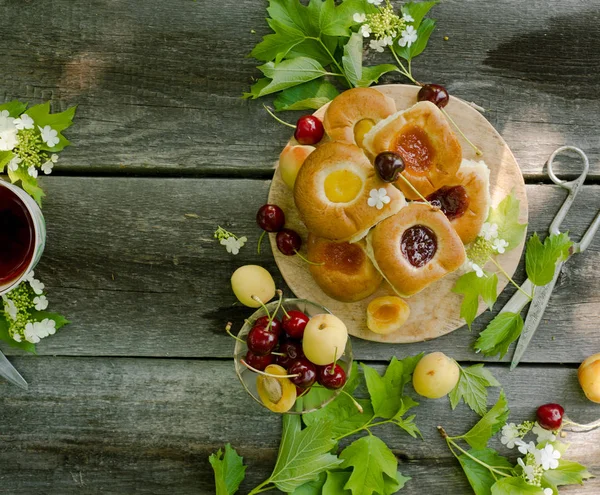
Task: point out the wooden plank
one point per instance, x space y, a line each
158 84
138 277
121 425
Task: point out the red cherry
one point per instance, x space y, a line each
434 93
270 218
294 323
261 341
259 362
550 416
292 350
309 130
276 326
334 380
389 166
288 241
306 371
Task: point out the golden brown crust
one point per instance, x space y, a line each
341 221
348 274
424 139
352 106
384 247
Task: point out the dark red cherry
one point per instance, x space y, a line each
259 362
309 130
550 416
389 166
276 326
306 371
288 241
261 341
294 323
292 351
434 93
332 380
270 218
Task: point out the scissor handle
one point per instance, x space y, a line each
568 184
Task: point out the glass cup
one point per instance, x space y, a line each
13 198
317 396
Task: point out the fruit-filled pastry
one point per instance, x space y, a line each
414 248
466 200
423 138
347 273
353 113
339 196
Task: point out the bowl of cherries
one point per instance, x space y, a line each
293 356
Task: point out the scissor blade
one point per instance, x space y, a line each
518 300
9 372
534 316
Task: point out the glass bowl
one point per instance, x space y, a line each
317 396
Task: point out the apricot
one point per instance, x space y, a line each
276 392
325 338
589 377
291 159
387 314
252 280
435 375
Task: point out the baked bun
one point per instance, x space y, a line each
352 107
332 193
466 200
348 274
414 248
422 136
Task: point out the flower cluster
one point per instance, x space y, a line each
538 457
232 243
486 244
19 309
385 26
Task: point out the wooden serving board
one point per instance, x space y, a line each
435 310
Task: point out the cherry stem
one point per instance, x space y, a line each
277 118
529 296
228 330
257 299
284 311
358 406
417 192
267 374
278 354
279 292
478 152
308 261
260 240
332 372
580 428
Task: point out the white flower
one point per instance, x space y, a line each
377 45
49 136
489 231
378 197
510 434
16 337
47 167
499 245
376 2
10 308
41 303
527 470
359 18
32 171
4 113
232 244
36 285
387 41
547 457
13 165
53 157
24 122
47 327
525 448
548 491
543 435
30 276
31 334
478 271
8 133
409 36
365 30
242 240
407 18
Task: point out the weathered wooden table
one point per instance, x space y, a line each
140 389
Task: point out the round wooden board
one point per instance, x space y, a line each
435 310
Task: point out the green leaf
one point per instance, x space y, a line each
314 487
303 454
336 481
277 45
58 121
408 425
472 287
478 436
308 96
352 59
15 108
541 259
5 157
337 21
417 10
372 74
515 486
28 183
229 470
423 34
472 388
5 336
343 415
256 88
293 14
292 73
481 478
393 485
506 216
567 473
502 331
370 459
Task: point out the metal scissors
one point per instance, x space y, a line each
542 294
9 372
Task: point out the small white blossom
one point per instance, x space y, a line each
359 17
365 30
528 471
377 45
489 231
16 337
4 113
548 491
547 457
30 276
407 18
10 308
41 303
376 2
525 448
409 36
24 122
543 435
13 165
478 270
32 171
378 198
31 333
49 136
232 244
8 133
47 167
47 326
53 157
510 434
36 285
499 245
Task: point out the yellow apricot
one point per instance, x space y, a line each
387 314
277 393
589 377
